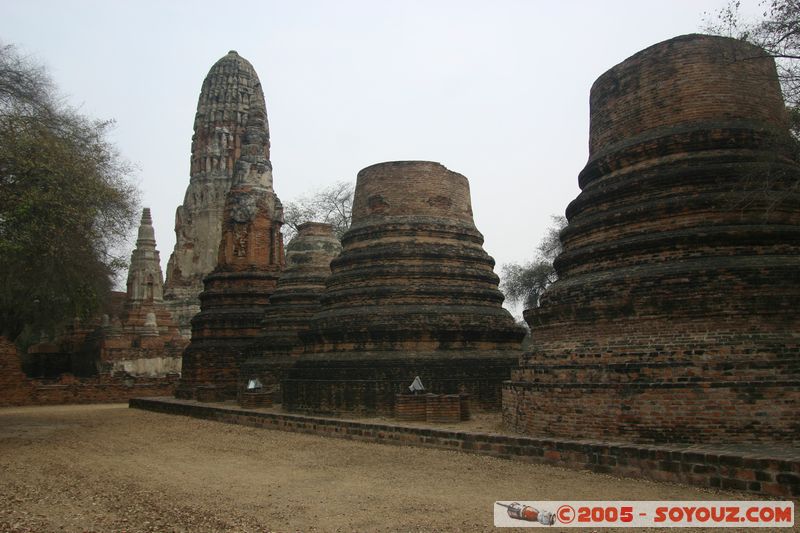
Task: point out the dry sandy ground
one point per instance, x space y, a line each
110 468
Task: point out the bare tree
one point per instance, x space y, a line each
778 33
331 205
525 283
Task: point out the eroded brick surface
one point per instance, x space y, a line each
249 261
294 302
412 293
17 389
229 92
675 315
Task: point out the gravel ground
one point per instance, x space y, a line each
110 468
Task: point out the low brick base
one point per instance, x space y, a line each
252 400
438 408
369 387
771 472
209 393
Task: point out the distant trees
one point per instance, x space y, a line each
331 205
525 283
66 203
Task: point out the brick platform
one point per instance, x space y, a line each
439 408
763 470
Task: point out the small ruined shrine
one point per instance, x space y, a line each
291 306
144 340
249 262
413 293
675 315
229 91
137 336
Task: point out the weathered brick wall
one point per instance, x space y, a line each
436 408
675 83
17 389
675 315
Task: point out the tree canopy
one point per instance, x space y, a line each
331 205
66 203
525 283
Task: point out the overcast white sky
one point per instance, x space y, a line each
495 90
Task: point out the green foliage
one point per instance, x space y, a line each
525 283
65 204
331 205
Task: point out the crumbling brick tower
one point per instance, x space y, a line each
412 293
676 316
250 260
228 92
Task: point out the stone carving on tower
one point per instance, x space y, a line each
229 92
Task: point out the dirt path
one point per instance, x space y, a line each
110 468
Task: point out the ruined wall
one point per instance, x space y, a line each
17 389
675 315
229 91
412 293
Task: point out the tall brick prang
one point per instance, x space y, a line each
230 90
675 316
412 293
249 262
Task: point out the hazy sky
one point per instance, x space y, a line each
495 90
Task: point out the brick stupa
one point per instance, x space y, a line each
413 293
229 91
250 260
676 314
294 302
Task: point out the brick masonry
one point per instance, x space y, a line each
291 306
762 472
413 293
249 262
229 91
17 389
675 316
440 408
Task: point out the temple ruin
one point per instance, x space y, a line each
291 306
229 91
675 315
135 337
413 293
249 261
